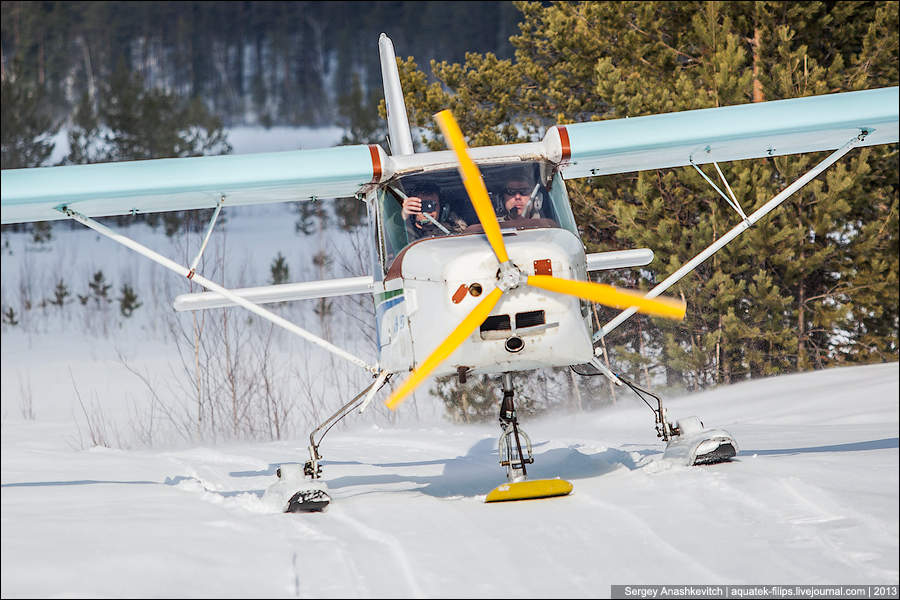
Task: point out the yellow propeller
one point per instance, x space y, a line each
510 276
446 348
471 178
601 293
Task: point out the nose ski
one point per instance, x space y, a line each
514 459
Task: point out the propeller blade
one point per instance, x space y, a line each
446 348
601 293
471 178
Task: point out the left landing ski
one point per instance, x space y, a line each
529 490
294 492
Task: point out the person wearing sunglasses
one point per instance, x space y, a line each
518 198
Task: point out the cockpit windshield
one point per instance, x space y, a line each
525 195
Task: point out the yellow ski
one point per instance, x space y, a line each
526 490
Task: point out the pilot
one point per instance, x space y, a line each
425 199
515 197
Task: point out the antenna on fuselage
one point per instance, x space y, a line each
398 120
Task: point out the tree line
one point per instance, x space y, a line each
250 62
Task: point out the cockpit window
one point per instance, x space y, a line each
525 195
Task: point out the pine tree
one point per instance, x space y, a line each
279 270
27 124
131 122
60 293
358 114
27 130
350 213
311 217
128 301
9 317
85 142
41 232
324 307
472 402
98 290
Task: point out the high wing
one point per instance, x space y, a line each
758 130
188 183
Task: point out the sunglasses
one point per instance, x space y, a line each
520 191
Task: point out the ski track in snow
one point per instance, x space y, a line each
393 546
693 570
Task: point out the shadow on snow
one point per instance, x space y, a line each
883 444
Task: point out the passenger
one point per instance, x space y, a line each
425 199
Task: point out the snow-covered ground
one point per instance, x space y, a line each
812 498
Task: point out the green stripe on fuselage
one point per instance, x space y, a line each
383 296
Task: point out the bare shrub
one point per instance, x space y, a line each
101 431
26 399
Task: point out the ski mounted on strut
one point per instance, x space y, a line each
293 492
519 487
688 442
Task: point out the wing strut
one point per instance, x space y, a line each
214 287
209 230
733 202
739 229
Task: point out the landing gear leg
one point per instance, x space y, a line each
302 490
510 444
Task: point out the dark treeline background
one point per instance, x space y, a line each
250 62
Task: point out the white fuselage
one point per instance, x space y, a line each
422 303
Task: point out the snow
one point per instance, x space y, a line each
811 498
248 140
244 139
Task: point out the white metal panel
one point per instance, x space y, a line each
619 259
398 120
285 292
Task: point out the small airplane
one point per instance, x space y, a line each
506 289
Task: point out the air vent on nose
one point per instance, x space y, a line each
496 323
530 319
